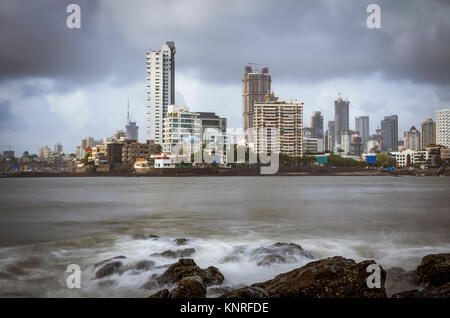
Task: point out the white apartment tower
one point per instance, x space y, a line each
160 88
284 117
443 127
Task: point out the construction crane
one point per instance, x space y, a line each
8 146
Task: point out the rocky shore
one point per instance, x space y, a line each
333 277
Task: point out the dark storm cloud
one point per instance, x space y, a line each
35 42
300 40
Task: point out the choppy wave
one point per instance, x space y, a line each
39 270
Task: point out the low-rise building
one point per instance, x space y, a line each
133 150
411 157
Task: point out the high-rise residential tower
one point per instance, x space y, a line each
443 127
317 125
428 132
389 132
160 88
331 136
255 85
341 118
286 118
412 139
362 125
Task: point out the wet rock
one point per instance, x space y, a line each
335 277
152 283
140 236
434 270
180 241
213 276
279 253
186 267
163 293
219 290
189 287
246 292
408 294
144 265
397 280
108 269
175 254
109 260
434 292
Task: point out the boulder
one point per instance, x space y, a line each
140 236
109 260
189 287
434 292
186 267
434 270
334 277
175 254
180 241
108 269
246 292
163 293
279 252
144 265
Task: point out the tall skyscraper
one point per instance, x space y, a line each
412 139
341 118
331 136
443 127
255 85
389 132
160 88
131 128
362 125
287 118
428 132
317 125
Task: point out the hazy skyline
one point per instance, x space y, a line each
61 85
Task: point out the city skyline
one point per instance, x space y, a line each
58 93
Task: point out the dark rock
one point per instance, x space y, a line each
335 277
438 292
279 253
140 236
213 276
176 254
272 258
180 241
246 292
435 292
397 280
108 269
189 287
219 290
152 283
434 270
408 294
144 265
109 260
163 293
186 267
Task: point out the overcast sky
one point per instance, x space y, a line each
61 85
